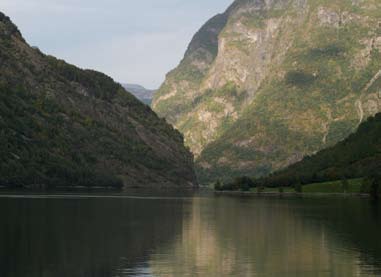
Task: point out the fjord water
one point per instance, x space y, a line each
191 235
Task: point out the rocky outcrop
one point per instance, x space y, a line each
290 77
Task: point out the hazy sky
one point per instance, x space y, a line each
132 41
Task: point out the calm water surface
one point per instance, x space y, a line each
190 235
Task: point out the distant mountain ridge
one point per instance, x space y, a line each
268 82
64 126
140 92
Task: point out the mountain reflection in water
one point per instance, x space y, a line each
189 236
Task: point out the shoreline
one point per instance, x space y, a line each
271 194
292 194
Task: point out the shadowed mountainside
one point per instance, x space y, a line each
64 126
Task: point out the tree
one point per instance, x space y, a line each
365 185
374 187
260 188
243 182
218 186
245 187
345 185
298 187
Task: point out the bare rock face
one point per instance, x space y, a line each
328 17
60 125
289 78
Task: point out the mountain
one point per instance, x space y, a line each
268 82
359 155
140 92
64 126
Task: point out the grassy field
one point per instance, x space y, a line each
285 189
354 186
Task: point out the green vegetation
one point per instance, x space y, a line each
357 159
255 21
240 183
288 112
42 156
206 37
328 51
354 186
371 185
345 186
298 187
203 48
61 126
299 78
304 84
357 156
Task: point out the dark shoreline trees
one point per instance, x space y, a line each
358 156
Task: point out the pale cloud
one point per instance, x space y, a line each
132 41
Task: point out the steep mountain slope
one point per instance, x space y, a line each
60 125
359 155
140 92
269 82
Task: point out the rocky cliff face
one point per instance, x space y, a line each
270 81
60 125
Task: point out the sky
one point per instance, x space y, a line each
132 41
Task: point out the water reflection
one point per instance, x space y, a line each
82 237
189 236
260 237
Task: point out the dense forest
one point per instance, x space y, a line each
358 156
62 126
36 145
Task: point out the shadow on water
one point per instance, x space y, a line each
358 224
82 237
354 224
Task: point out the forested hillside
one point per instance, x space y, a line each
64 126
358 156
